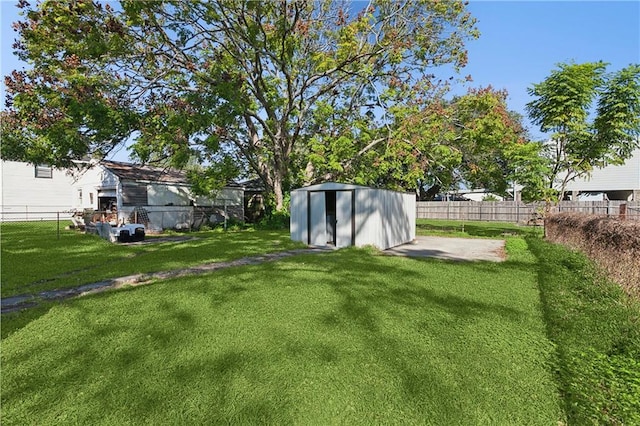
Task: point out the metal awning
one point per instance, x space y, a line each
106 193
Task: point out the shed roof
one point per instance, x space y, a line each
336 186
137 172
330 186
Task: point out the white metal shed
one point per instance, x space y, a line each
351 215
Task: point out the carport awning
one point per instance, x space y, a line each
106 193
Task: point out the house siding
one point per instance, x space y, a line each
93 183
168 195
23 195
624 177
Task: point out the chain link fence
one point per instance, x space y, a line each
155 219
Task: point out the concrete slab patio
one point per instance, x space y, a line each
458 249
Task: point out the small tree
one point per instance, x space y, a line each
563 106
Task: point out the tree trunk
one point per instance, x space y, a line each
279 195
281 165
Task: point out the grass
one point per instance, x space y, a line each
596 329
34 260
594 325
344 337
473 229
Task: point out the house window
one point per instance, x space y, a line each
91 198
80 196
44 172
134 194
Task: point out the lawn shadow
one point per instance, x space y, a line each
222 402
14 321
79 259
371 290
155 345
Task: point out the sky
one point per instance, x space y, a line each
521 42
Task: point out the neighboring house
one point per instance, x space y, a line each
478 195
611 182
29 192
125 190
159 198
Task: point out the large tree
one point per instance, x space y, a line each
263 82
583 137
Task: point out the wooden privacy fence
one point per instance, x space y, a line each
518 212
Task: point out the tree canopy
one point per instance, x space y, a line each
583 137
472 140
291 90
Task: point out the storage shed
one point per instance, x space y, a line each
344 215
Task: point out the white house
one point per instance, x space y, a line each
341 215
616 182
160 198
478 194
29 192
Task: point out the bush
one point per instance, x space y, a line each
275 221
231 225
613 244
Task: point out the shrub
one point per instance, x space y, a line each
613 244
231 225
275 221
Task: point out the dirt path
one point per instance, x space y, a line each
438 247
16 303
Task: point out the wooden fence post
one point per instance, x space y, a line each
623 211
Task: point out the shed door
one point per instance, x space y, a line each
344 217
318 219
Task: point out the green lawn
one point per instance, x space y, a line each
347 337
33 259
596 329
474 229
